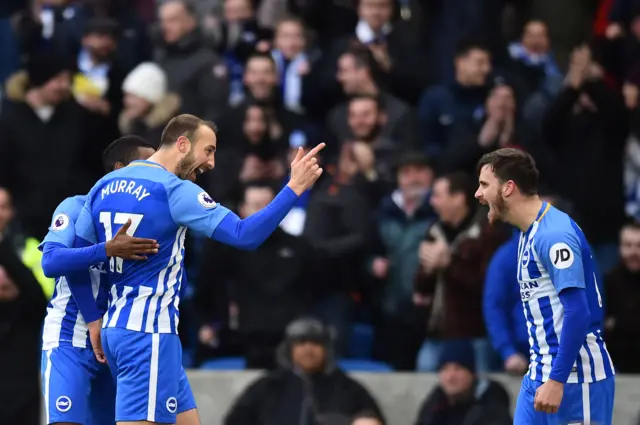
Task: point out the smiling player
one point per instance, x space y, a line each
571 375
140 327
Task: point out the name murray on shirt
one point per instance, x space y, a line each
130 187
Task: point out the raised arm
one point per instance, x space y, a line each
192 207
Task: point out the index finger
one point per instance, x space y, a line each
315 150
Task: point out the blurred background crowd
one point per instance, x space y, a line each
388 260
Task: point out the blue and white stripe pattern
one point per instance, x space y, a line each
553 254
144 295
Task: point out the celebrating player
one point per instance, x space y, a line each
160 200
571 375
77 389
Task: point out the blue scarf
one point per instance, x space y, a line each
290 79
546 61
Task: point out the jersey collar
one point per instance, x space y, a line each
146 163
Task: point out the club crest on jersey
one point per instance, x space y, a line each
60 222
172 404
561 256
206 201
63 404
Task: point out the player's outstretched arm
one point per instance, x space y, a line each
193 208
252 231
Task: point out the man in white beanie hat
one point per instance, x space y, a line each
148 106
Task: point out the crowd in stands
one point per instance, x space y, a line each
389 258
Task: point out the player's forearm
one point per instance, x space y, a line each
255 229
58 260
574 330
82 293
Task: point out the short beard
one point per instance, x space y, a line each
185 165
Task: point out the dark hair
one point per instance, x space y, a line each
631 223
259 184
513 164
376 99
261 55
460 182
188 5
464 47
184 125
367 414
123 150
101 26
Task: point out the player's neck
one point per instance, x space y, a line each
523 213
166 159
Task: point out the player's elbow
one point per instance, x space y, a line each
48 265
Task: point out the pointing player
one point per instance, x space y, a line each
77 389
571 376
160 199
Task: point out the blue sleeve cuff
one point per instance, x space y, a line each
574 331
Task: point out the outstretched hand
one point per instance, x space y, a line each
129 248
305 170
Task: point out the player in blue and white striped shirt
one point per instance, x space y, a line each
571 375
77 388
161 201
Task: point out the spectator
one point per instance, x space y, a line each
532 60
261 87
269 287
585 129
291 61
42 129
495 127
194 71
395 53
22 309
453 262
148 106
622 286
442 107
237 37
133 42
367 119
98 85
24 247
308 387
403 219
356 75
462 397
339 224
261 153
631 91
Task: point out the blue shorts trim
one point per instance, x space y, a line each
581 403
76 388
151 382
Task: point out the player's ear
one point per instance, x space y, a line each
183 144
118 166
508 188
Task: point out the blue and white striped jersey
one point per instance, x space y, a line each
64 324
144 295
553 254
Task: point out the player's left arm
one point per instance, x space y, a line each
561 255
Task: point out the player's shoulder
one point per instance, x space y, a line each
557 237
67 211
180 190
